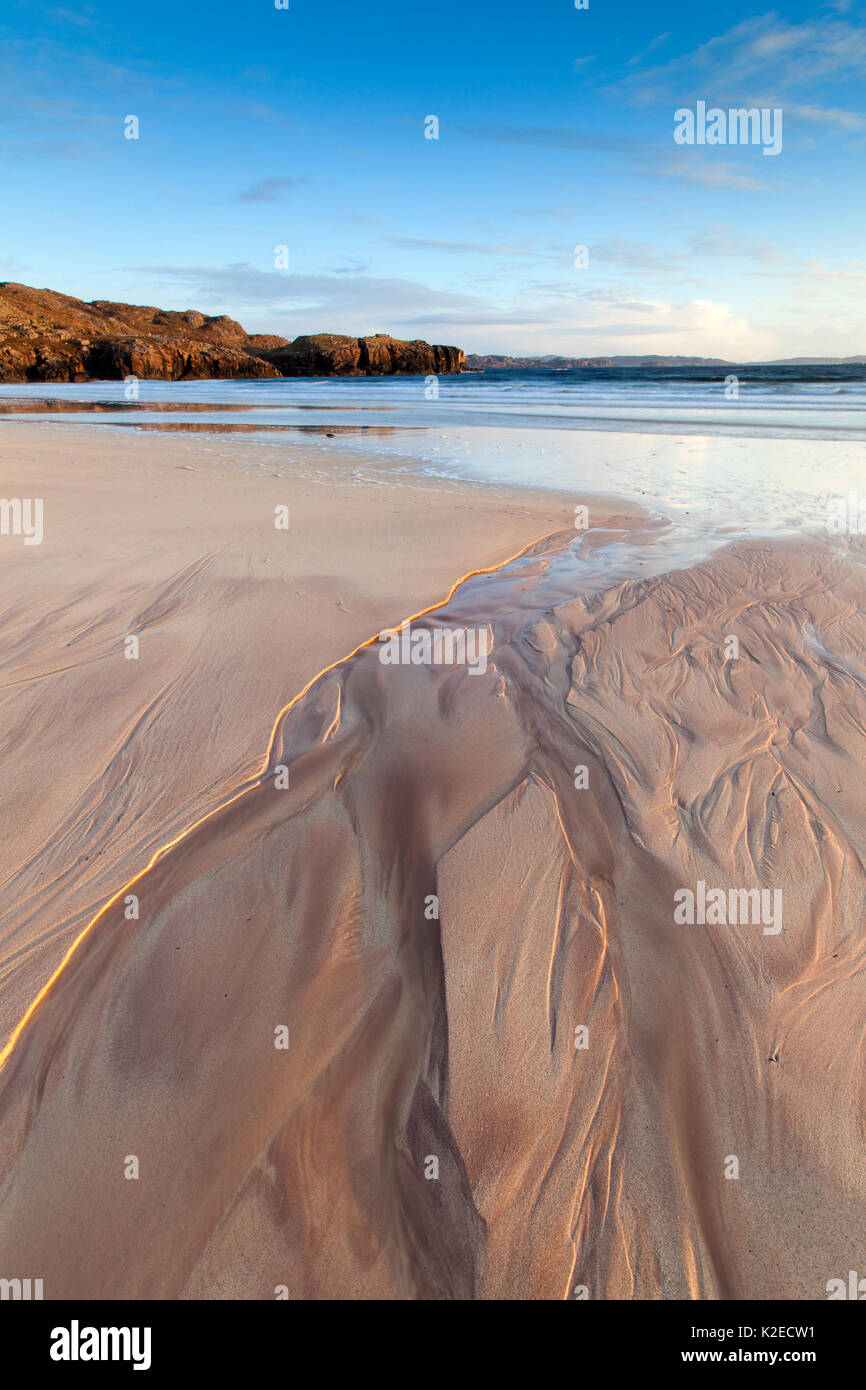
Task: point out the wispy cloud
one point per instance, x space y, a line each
827 115
712 175
353 302
477 320
81 20
555 138
643 154
268 190
724 240
650 48
760 53
635 255
476 248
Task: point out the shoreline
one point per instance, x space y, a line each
704 481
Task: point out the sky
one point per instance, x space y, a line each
306 128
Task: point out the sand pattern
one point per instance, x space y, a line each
581 1066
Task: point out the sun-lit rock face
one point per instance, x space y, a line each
333 354
46 336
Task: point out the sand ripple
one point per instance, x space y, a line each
412 1038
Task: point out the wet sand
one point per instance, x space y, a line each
108 758
466 875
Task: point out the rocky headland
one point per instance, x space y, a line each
46 336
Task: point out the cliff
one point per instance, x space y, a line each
46 336
332 354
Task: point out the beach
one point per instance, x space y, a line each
234 618
328 977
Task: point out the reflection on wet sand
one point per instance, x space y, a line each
49 405
211 427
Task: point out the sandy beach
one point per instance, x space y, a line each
234 618
378 977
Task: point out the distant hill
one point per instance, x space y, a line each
477 363
815 362
47 336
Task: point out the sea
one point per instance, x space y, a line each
747 447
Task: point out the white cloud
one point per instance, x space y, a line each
595 326
290 304
849 120
693 167
761 52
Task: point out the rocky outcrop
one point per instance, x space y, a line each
334 354
383 354
116 358
46 336
322 354
265 342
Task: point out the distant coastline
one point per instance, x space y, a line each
476 362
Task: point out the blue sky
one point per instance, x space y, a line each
305 128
